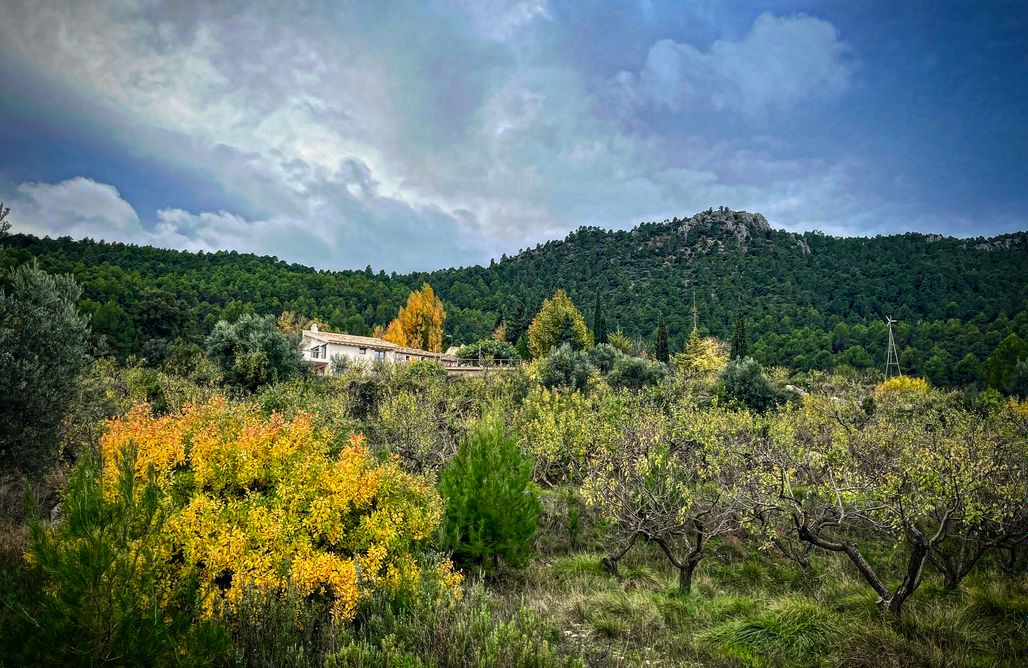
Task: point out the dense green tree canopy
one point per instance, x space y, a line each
251 352
811 301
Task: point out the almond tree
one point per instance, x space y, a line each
906 467
991 513
669 482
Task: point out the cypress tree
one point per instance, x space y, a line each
661 348
599 323
739 346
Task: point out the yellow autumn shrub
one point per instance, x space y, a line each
903 385
256 502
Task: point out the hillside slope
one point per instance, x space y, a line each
811 300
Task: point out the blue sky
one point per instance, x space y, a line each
432 134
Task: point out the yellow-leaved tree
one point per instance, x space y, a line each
558 322
419 324
256 503
701 358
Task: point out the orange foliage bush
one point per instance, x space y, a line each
257 502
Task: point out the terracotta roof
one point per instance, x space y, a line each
351 340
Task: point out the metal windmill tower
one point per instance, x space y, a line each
892 363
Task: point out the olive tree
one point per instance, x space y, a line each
251 351
43 353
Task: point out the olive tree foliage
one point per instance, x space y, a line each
911 466
635 373
670 482
603 356
565 367
251 351
743 381
43 353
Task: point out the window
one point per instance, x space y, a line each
379 355
363 351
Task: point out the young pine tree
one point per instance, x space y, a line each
492 507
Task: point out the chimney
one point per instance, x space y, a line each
314 327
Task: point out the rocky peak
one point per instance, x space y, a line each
717 226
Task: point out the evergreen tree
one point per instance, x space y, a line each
740 348
599 323
661 347
1001 366
492 506
43 353
251 352
968 369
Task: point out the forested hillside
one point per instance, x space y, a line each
810 300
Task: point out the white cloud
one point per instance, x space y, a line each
78 207
500 19
779 64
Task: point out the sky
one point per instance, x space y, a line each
422 135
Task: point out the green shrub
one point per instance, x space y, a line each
634 373
430 629
89 594
565 367
492 507
251 352
743 382
281 629
603 357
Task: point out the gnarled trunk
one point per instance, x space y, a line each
611 561
889 600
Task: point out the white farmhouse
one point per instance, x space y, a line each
320 347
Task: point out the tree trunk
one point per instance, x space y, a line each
685 576
611 562
911 580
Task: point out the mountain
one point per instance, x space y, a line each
811 300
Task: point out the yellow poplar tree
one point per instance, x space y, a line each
419 324
558 321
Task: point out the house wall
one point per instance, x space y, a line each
352 353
